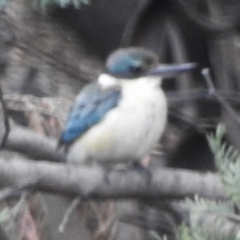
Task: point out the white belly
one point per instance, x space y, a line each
129 131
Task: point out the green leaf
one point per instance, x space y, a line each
3 4
43 4
4 214
155 235
77 3
184 233
227 160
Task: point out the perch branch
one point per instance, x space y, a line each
81 181
91 181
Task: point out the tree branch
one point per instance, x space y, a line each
67 214
94 181
91 181
33 145
5 119
12 191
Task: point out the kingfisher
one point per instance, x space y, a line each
121 116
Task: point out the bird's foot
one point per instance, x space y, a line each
106 176
143 170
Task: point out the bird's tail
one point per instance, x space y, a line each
62 145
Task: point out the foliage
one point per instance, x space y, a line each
43 4
3 3
62 3
184 233
154 235
211 219
208 218
4 214
223 221
228 163
200 205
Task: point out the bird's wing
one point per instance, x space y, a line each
90 107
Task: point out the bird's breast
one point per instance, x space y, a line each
130 130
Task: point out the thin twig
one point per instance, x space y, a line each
6 119
13 191
214 92
67 214
16 209
14 212
211 88
187 120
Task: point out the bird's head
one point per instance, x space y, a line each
135 62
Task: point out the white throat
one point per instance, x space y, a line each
107 80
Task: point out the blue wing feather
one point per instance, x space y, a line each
90 107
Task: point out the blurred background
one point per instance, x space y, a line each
49 49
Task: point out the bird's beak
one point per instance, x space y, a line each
170 70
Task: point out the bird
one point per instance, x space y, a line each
120 117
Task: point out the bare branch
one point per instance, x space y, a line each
13 191
214 92
5 118
33 145
19 206
67 214
91 181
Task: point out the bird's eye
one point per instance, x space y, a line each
136 69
